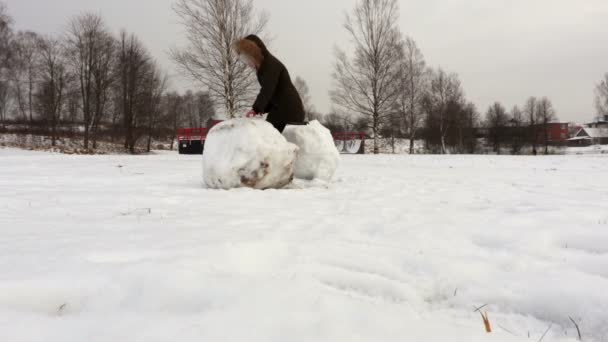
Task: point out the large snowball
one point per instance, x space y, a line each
247 153
318 157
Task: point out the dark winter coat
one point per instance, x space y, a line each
278 97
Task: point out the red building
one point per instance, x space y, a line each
557 132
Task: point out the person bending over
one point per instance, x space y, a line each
278 97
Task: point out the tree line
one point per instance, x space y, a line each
386 87
91 82
110 85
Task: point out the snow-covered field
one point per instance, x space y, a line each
397 248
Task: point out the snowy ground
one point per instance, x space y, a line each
398 248
594 149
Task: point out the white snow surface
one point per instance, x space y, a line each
247 153
397 248
317 157
594 149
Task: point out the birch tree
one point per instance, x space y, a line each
366 83
212 26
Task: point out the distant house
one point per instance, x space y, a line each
574 129
601 122
587 136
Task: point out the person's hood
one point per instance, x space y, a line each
258 42
253 48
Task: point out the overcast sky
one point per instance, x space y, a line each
503 50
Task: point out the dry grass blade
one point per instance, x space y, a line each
486 322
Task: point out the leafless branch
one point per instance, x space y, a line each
479 308
549 328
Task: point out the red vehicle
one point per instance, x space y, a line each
192 140
350 142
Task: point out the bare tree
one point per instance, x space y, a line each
197 108
463 118
5 99
335 122
115 103
175 113
89 50
497 121
156 85
72 103
5 55
6 32
516 129
413 86
190 109
315 115
53 81
24 71
444 93
205 108
132 69
139 89
212 26
304 91
103 79
530 110
601 98
391 128
546 115
471 122
367 84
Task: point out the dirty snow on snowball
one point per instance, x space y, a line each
396 248
247 153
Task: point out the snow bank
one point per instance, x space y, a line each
126 248
247 153
318 157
